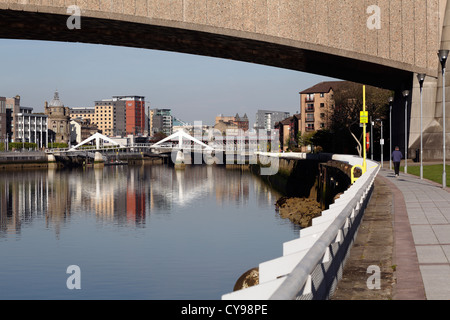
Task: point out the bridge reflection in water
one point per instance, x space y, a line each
145 231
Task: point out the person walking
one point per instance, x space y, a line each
396 158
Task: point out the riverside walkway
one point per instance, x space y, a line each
406 233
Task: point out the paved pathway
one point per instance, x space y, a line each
415 235
421 237
373 246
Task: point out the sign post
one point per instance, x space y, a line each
364 119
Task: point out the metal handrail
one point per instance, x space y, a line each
297 279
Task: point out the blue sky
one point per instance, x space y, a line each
196 88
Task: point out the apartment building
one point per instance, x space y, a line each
317 106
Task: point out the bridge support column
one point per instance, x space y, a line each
179 161
431 118
98 160
51 160
432 103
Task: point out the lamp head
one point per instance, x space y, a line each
421 78
443 55
391 99
405 93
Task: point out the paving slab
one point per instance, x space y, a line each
420 255
430 229
372 250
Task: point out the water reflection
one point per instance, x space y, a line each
22 198
147 232
124 195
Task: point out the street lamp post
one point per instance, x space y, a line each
371 138
381 141
443 55
382 144
406 94
421 78
391 101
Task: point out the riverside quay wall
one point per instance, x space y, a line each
23 160
313 176
311 265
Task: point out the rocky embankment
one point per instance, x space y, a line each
300 211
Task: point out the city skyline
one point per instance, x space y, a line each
196 88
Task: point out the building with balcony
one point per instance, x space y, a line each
317 106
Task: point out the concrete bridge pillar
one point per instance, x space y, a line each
98 160
52 163
432 120
179 160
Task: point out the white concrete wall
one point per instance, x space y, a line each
272 273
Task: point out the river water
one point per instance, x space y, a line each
134 232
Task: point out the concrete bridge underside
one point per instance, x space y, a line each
331 38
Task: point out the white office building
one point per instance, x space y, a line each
31 127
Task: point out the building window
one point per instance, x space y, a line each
310 107
322 104
309 97
322 95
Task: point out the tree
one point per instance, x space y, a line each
306 139
323 138
348 99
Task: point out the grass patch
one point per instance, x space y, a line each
430 172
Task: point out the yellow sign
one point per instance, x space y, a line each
363 117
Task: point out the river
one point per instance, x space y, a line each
134 232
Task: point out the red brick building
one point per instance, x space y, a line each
134 113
